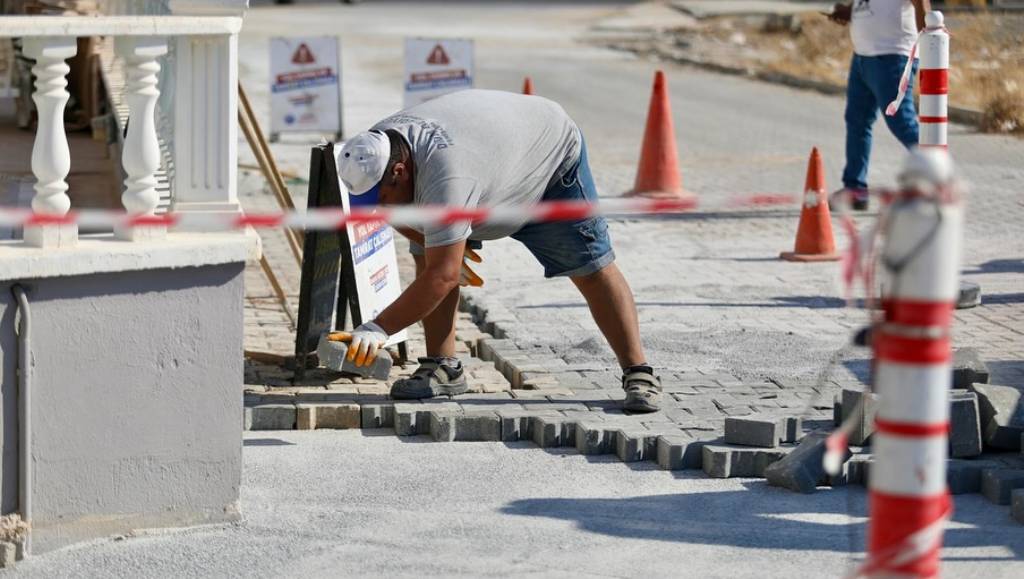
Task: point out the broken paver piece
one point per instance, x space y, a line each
802 469
1002 414
968 368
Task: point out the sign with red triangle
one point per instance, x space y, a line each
438 56
303 55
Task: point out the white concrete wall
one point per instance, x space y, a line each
137 412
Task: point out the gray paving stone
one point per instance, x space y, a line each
802 469
858 469
470 427
793 430
680 452
552 431
636 445
411 419
757 430
1017 505
1002 414
595 438
730 461
965 427
378 415
997 484
964 476
968 368
272 417
865 421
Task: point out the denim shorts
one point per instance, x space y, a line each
566 248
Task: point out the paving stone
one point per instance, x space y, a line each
272 417
730 461
969 295
1017 505
793 430
858 469
552 431
330 416
802 469
968 368
595 438
865 422
997 484
411 419
469 427
760 431
965 427
964 476
680 452
378 415
636 445
1001 409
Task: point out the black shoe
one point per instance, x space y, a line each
643 390
433 378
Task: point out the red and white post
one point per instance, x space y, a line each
934 71
920 265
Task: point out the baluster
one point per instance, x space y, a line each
51 157
141 155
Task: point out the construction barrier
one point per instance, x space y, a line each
409 215
933 117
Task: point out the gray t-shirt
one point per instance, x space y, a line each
483 148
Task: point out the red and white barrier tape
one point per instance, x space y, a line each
408 216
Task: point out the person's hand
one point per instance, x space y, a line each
468 277
841 13
365 341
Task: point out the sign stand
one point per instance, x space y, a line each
330 283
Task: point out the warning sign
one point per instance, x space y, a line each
305 86
435 67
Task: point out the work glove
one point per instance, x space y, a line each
364 343
468 277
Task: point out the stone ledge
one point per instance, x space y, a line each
104 254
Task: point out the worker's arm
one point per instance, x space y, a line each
921 7
439 277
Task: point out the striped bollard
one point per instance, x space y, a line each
934 47
909 500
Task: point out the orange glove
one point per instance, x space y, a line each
468 276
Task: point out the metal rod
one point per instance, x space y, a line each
24 412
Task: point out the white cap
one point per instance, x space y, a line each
362 161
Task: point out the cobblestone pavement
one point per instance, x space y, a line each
732 330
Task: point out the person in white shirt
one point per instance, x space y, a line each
883 34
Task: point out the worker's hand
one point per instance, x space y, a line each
841 13
468 277
365 341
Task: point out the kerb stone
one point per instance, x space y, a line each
273 417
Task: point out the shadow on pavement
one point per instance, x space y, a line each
266 442
998 266
759 517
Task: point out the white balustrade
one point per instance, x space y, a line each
51 157
204 115
141 155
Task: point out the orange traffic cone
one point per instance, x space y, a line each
814 241
658 174
528 86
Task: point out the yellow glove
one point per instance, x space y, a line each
468 276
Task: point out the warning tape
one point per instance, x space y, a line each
403 216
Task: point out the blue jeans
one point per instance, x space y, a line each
570 248
873 84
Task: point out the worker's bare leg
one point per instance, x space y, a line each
439 326
611 303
